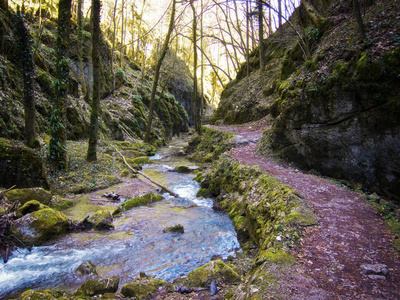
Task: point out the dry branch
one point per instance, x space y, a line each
147 177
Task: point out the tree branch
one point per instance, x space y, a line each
147 177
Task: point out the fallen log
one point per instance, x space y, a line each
147 177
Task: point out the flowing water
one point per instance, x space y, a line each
137 244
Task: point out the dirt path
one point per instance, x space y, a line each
349 234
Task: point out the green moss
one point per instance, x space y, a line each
138 201
397 244
142 160
102 220
30 206
210 145
182 169
260 207
144 288
37 295
311 65
215 270
368 69
98 286
177 228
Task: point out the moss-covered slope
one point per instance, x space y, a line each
123 116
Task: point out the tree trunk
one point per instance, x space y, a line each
80 50
196 112
280 13
157 72
357 13
95 111
58 152
24 43
261 33
122 51
113 47
247 38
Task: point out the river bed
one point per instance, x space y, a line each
138 243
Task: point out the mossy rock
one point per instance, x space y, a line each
177 228
182 169
24 195
215 270
30 207
21 166
145 288
40 226
138 201
98 286
101 220
142 160
37 295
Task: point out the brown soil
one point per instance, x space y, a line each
349 234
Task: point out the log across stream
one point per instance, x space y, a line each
137 244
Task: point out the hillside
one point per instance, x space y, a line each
335 112
123 117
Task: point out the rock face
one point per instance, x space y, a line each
19 165
40 226
348 131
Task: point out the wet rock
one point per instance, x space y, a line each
375 269
215 270
24 195
146 288
40 226
101 220
177 228
86 268
98 286
30 207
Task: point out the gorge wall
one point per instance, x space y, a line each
336 110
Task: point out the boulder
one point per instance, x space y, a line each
98 286
40 226
101 220
145 288
182 169
215 270
30 207
27 194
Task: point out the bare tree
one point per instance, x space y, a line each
157 71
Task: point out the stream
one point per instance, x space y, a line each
137 244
